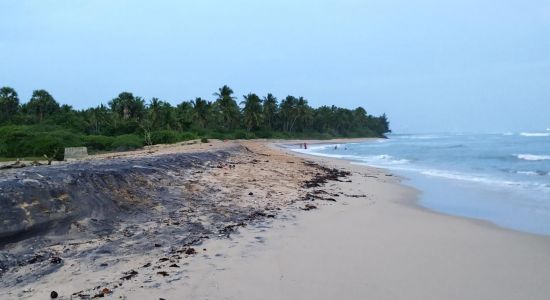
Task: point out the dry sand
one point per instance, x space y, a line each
372 243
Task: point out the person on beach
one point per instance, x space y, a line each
305 145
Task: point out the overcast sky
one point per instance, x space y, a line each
456 65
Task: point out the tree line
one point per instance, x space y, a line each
128 121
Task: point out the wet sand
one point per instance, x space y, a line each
361 237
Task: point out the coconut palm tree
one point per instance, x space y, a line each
202 110
229 109
270 110
252 111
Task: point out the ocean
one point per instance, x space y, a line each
500 178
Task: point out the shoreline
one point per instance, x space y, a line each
415 201
364 237
530 256
381 247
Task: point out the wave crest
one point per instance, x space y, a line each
535 134
533 157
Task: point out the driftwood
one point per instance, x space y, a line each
16 165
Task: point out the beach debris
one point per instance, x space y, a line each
163 273
355 196
16 165
324 175
158 245
173 266
36 258
129 275
250 194
82 295
102 293
315 196
227 230
147 265
309 207
54 295
56 260
190 251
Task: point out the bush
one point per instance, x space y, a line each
187 136
21 141
163 137
127 142
240 135
98 142
264 134
217 136
204 140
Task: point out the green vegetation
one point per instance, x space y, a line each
44 127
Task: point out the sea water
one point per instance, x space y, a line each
500 178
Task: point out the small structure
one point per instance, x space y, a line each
74 153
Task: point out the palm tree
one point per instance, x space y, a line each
202 110
303 114
155 111
228 106
42 104
9 103
287 111
252 111
185 115
270 107
127 106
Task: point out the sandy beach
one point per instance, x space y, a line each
272 224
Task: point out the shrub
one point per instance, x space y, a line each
163 137
21 141
264 134
187 136
240 134
204 140
98 142
217 135
127 142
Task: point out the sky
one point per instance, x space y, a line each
431 66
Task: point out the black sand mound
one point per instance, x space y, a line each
42 198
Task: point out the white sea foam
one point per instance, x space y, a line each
527 173
474 178
418 137
381 160
384 159
532 157
535 134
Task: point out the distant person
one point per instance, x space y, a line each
305 145
336 147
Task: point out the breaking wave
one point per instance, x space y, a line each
532 157
535 134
